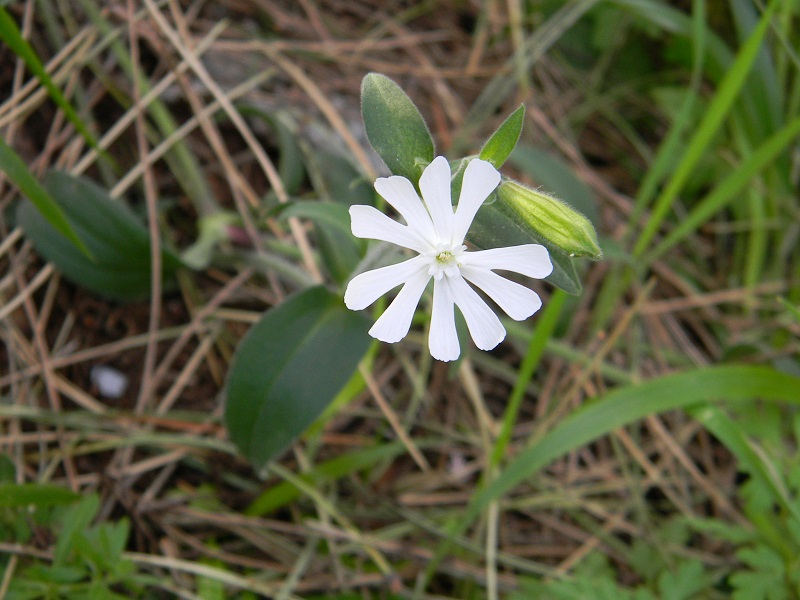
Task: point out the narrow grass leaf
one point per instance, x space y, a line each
16 170
545 326
762 86
793 310
288 368
10 34
631 403
719 108
668 149
729 187
283 493
735 439
624 406
13 495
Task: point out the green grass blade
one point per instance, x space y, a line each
754 463
762 85
668 149
729 187
283 493
541 334
624 406
16 170
793 310
10 34
728 91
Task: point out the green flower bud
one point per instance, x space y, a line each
554 220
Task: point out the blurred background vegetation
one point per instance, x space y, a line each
638 440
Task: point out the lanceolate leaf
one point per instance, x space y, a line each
16 170
118 242
498 147
288 368
395 127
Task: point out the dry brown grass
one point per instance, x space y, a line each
159 454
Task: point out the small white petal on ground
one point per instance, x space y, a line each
110 382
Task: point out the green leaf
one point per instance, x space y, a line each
18 172
10 34
762 583
729 188
290 158
76 521
395 128
119 243
288 368
14 495
334 178
791 308
7 469
338 249
496 225
688 580
502 142
728 91
623 406
628 404
283 493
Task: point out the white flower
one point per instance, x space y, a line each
436 233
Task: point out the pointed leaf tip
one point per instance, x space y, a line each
502 142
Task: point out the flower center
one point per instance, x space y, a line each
445 260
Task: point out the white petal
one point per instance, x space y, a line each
394 323
367 287
436 191
485 328
443 338
532 260
400 193
516 300
480 179
368 222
